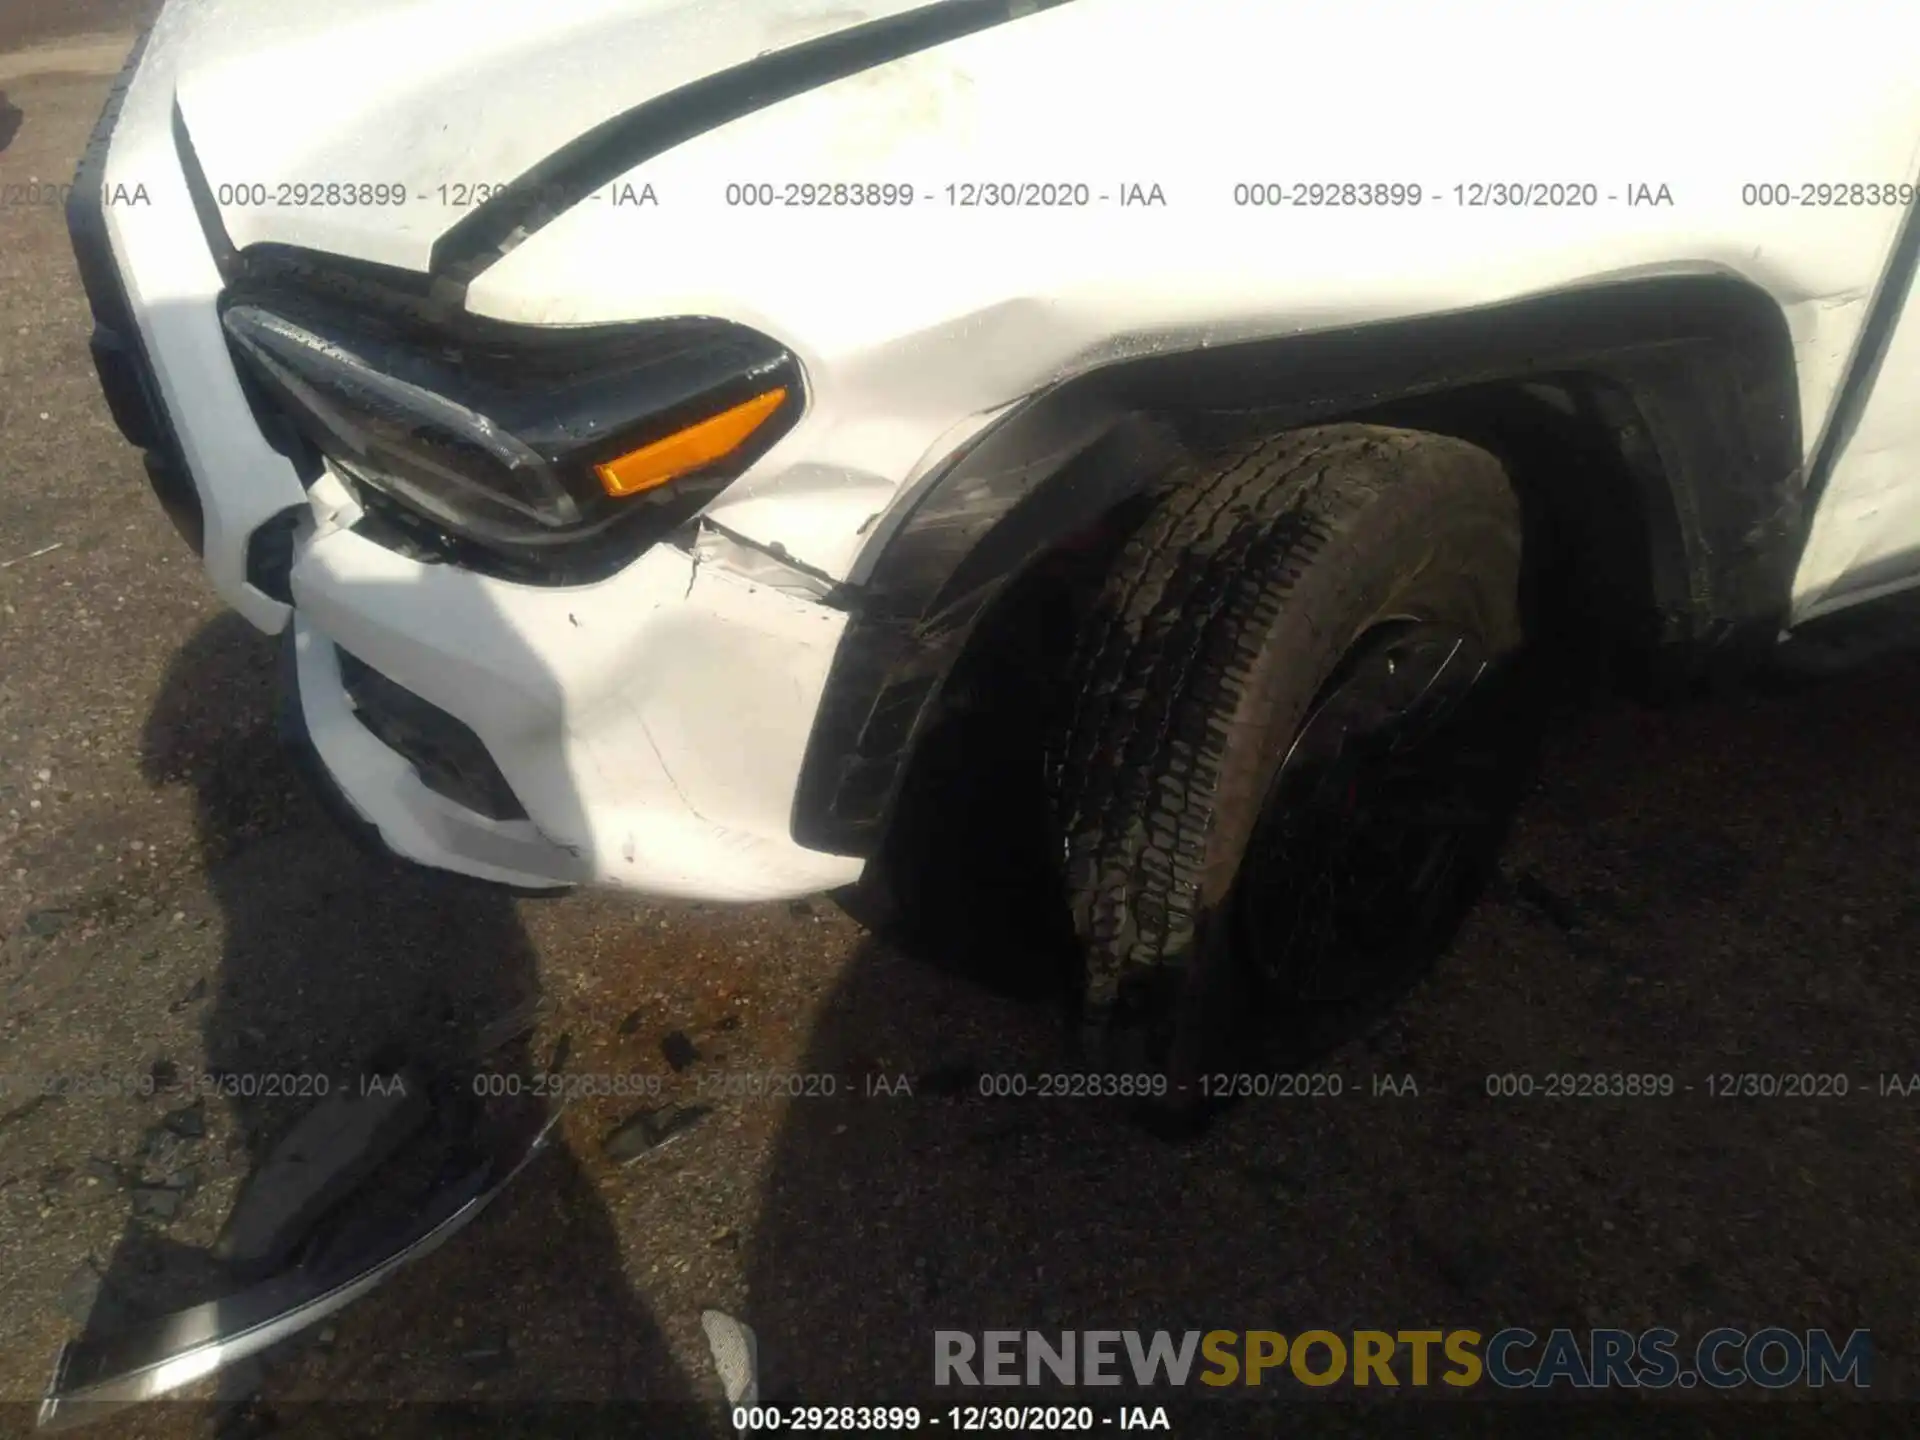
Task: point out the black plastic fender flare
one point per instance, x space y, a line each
1705 414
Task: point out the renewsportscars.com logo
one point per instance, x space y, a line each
1773 1358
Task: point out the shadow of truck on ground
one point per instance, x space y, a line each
343 965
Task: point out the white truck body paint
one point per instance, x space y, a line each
172 284
911 319
1866 534
461 93
653 725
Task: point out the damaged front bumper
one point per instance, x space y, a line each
94 1377
643 732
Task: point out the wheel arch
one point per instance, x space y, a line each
1678 394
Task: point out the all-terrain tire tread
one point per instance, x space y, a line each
1184 613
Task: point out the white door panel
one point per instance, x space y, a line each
1866 531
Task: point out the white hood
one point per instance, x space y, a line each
432 93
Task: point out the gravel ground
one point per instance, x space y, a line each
1721 887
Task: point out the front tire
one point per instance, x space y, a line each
1287 761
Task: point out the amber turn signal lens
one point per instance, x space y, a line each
655 464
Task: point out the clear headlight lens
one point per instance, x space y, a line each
450 461
526 442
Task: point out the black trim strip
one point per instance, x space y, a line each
212 224
613 147
1050 468
446 755
296 738
86 207
119 353
1869 351
1707 421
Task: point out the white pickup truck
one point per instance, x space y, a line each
649 421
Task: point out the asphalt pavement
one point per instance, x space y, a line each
1719 888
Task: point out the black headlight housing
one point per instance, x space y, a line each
476 441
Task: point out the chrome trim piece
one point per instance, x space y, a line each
92 1378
